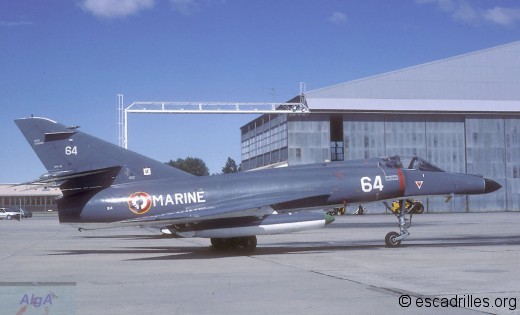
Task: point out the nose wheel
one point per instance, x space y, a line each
393 239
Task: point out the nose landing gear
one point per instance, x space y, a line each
393 239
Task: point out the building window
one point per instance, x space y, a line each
337 151
263 141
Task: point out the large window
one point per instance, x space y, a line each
336 138
337 151
264 141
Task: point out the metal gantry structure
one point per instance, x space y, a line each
201 108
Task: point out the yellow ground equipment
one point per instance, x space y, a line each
410 206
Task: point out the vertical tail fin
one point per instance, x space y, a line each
67 152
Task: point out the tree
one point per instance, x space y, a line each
230 167
191 165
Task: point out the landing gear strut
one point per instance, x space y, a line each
393 239
245 243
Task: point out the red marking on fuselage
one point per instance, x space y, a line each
401 180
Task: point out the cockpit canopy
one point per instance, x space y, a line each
410 163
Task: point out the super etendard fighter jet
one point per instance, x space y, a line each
104 183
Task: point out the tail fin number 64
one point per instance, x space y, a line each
367 186
71 150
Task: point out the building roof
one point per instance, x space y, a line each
482 81
27 190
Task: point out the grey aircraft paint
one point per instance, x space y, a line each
104 183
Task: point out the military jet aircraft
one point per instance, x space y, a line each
104 185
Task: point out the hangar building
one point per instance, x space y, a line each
460 113
29 197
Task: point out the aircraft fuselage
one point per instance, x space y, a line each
331 184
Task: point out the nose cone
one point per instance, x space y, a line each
491 186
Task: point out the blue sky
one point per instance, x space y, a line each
67 60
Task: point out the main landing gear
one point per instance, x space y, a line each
245 243
393 239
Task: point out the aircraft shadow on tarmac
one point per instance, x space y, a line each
204 252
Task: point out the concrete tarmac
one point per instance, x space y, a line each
451 264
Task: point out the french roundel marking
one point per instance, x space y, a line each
139 202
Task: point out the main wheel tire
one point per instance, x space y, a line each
390 239
418 208
220 244
247 243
